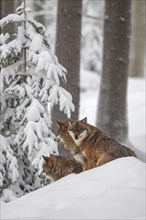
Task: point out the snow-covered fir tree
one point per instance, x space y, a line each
30 79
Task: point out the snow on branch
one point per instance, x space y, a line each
7 157
10 53
11 18
64 98
37 133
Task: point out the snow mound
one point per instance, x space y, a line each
115 190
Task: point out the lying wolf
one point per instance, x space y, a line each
56 167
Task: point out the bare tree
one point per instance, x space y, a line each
68 49
137 38
112 106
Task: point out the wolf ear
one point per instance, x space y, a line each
45 158
69 121
59 123
62 125
84 120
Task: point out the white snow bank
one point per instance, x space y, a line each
115 190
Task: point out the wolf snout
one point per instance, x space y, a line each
57 139
76 136
42 175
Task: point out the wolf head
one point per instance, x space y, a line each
78 130
56 167
64 136
62 131
47 167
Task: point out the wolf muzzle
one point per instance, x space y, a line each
57 139
42 175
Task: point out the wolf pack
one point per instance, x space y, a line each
89 147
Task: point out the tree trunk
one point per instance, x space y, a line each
7 7
1 12
37 8
137 39
112 106
68 51
18 3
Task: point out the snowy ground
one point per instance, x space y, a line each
113 191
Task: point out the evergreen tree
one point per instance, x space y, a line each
30 79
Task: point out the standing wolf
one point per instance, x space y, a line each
97 147
56 167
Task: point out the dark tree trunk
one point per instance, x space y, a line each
7 7
138 38
68 51
1 14
112 106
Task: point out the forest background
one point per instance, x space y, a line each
82 34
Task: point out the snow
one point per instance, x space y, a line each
10 18
36 44
58 94
9 195
113 191
9 160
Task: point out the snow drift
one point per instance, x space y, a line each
115 190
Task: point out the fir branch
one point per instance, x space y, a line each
40 29
11 18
